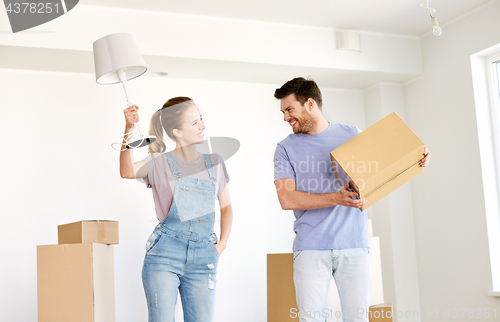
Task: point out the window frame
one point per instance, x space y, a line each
487 102
493 82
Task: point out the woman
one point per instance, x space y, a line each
182 252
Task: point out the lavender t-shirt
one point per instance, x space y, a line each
161 179
306 159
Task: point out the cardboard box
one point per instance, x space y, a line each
381 313
281 303
75 283
380 159
280 288
88 231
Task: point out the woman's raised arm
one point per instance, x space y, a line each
128 168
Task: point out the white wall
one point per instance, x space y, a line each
344 106
448 200
392 217
60 168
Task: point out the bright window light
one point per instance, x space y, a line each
486 79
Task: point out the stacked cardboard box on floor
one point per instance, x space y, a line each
76 277
381 313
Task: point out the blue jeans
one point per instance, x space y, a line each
178 263
312 273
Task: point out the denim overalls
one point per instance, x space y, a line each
180 253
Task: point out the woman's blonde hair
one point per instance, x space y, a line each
167 118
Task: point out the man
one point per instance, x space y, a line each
331 232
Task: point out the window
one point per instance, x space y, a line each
486 80
493 61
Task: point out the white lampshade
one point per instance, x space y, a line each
114 53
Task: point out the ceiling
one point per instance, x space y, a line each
397 17
402 17
62 60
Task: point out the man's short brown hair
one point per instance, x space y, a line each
303 90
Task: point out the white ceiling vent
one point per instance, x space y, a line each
348 40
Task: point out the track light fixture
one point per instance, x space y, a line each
436 30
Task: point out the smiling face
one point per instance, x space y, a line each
297 115
192 129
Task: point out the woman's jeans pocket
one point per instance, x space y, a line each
153 240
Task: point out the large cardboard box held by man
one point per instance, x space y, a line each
75 283
380 159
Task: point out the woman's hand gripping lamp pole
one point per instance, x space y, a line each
117 60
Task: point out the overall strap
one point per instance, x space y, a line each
173 165
210 167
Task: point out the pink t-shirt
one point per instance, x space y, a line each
161 179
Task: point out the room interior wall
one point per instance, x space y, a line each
448 199
392 217
59 167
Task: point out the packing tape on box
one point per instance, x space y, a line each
381 185
101 232
392 179
65 248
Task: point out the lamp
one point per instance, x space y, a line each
436 30
117 60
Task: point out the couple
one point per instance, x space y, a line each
182 252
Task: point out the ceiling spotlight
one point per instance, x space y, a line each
436 30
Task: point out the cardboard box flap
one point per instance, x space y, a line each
372 182
390 179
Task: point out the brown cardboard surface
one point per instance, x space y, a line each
280 287
66 279
381 313
65 283
380 159
88 231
